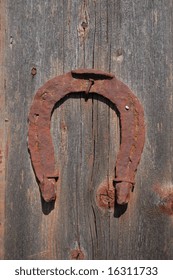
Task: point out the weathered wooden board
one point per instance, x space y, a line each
2 125
132 39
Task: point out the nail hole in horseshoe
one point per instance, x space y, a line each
44 95
36 116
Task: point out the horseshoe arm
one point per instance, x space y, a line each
132 129
40 143
132 141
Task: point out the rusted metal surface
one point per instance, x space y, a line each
131 119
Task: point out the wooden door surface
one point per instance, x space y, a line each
42 39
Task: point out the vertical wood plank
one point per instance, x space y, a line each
3 123
132 39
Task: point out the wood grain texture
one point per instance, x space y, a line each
133 40
3 123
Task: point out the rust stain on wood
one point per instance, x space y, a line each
165 203
105 196
131 118
77 254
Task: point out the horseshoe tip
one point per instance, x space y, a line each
49 198
47 188
123 190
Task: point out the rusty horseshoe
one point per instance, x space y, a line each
131 124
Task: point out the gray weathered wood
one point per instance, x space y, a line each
133 40
3 125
